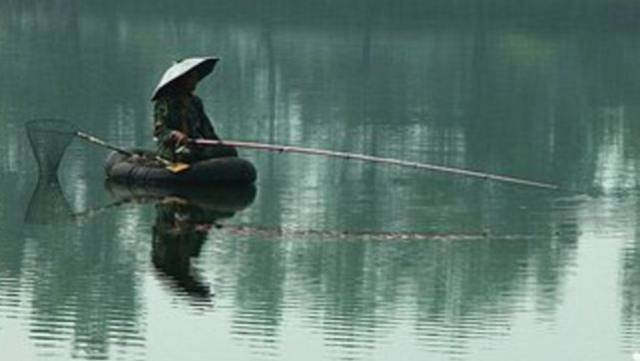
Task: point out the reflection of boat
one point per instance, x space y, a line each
220 198
184 217
145 170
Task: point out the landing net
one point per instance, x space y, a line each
49 138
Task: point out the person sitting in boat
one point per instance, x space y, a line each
179 115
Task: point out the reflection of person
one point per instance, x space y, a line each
179 114
179 232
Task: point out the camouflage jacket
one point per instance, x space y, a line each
188 117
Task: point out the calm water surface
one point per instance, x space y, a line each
328 259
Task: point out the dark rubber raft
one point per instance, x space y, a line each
143 169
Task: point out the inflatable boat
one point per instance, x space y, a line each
142 168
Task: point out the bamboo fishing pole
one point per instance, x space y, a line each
369 158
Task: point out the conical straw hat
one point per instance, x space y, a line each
204 66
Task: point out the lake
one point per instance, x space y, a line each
328 259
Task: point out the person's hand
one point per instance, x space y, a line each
179 137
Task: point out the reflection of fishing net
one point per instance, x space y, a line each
48 204
49 139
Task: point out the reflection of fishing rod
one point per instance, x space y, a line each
369 158
92 212
289 233
48 205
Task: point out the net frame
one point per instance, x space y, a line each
49 139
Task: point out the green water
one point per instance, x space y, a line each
328 259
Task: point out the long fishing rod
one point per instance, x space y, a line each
369 158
